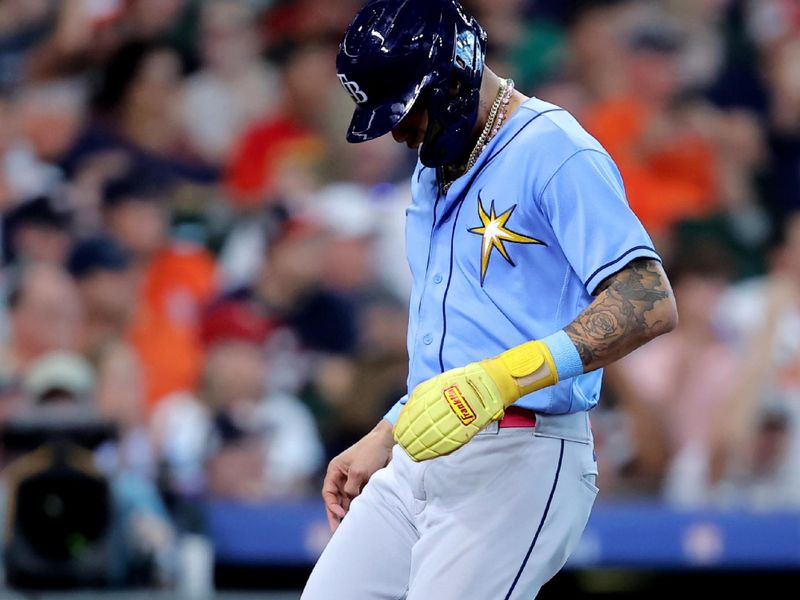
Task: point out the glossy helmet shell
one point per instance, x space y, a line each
398 52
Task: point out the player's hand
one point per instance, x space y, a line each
349 472
445 412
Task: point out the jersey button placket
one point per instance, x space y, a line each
430 302
427 339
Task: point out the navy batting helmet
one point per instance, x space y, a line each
397 52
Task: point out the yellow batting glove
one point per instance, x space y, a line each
446 411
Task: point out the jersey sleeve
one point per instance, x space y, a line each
394 412
585 203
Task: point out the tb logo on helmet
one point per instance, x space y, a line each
352 87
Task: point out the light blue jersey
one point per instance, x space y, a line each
514 249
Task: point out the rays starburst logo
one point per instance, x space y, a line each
496 233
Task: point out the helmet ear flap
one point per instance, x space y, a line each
455 97
422 102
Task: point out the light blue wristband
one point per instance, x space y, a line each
565 355
394 412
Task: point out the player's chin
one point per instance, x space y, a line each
415 143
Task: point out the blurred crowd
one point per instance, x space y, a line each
193 255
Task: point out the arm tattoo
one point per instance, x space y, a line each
629 310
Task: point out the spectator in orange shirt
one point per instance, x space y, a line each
176 281
666 163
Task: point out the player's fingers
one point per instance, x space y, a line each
356 478
332 492
333 483
334 510
335 514
333 500
337 510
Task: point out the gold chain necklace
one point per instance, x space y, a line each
497 115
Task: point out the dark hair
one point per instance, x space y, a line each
655 37
41 211
576 10
780 230
122 69
99 253
705 257
139 184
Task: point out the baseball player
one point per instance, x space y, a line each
530 273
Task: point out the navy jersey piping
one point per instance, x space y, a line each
430 248
447 289
619 258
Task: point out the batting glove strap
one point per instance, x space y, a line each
520 363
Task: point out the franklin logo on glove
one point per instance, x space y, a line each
459 404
